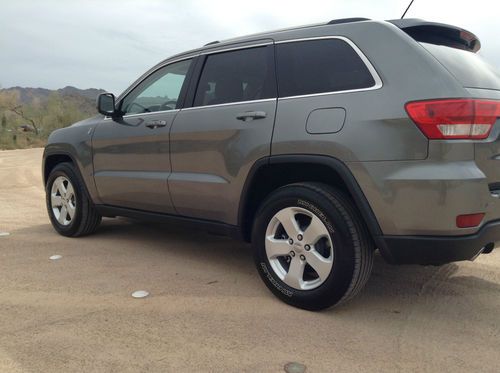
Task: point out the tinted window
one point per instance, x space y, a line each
469 68
158 92
240 75
318 66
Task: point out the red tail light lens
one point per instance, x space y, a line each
470 220
454 118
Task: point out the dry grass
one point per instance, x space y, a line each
20 140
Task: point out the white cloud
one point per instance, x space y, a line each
107 44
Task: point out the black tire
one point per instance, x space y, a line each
86 219
353 247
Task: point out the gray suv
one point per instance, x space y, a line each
317 144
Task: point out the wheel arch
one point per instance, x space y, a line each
50 161
272 172
54 156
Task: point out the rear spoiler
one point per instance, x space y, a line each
438 33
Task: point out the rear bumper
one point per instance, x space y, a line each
437 250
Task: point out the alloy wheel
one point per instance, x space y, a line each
299 248
63 200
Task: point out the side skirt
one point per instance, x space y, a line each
173 220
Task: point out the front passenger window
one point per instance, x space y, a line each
158 92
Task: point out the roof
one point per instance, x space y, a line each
270 34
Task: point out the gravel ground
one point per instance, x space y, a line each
208 311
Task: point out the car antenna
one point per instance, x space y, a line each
403 16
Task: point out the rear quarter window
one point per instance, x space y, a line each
320 66
470 69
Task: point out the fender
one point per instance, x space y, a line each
56 149
333 163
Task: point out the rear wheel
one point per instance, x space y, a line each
311 247
70 210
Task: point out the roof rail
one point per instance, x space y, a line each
347 20
212 42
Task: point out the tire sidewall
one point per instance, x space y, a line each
336 284
67 171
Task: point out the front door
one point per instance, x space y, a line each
131 154
229 126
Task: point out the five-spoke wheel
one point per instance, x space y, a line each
71 211
299 248
311 247
63 200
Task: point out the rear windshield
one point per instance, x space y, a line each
469 68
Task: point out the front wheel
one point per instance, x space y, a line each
70 210
311 247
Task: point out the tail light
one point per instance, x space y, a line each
469 220
454 118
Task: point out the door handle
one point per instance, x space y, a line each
251 115
156 123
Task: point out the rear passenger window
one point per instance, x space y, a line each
241 75
318 66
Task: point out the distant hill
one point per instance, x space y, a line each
28 95
29 115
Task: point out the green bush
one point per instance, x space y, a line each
40 114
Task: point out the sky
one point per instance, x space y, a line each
109 43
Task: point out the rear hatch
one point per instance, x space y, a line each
458 50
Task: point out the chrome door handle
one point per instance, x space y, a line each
251 115
156 123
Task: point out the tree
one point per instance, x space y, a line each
38 113
20 111
10 101
4 122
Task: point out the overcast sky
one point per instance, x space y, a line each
108 44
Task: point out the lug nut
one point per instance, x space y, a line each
290 241
299 237
292 253
302 257
307 247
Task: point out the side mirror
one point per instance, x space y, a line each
106 104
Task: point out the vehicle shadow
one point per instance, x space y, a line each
391 288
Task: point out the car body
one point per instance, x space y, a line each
212 155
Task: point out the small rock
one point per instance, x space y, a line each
4 234
55 257
294 367
140 294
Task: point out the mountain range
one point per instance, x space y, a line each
28 95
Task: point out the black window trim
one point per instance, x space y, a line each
376 77
189 102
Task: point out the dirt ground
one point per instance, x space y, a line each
208 310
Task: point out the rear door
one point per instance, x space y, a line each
228 127
131 153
